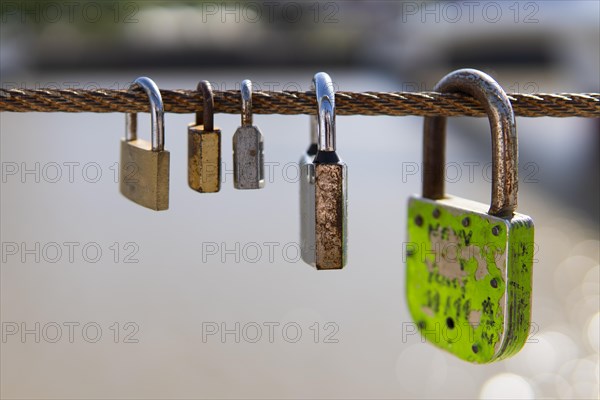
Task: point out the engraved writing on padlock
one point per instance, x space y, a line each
469 268
204 147
326 180
248 142
144 167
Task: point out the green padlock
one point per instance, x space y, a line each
468 269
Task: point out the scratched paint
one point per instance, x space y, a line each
468 277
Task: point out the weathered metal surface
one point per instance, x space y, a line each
468 277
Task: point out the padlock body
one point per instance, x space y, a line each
307 209
144 174
468 277
204 159
330 181
248 158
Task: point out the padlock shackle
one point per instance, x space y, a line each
314 127
157 113
207 117
504 140
246 91
325 112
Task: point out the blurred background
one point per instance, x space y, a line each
103 299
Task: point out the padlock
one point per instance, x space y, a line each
307 197
327 185
144 168
248 158
204 147
469 268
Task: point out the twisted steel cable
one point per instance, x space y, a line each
293 103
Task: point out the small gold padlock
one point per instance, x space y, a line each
204 147
144 168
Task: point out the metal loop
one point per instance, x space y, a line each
314 124
207 117
326 111
504 140
246 92
156 111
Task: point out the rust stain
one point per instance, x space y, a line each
474 318
482 268
329 218
448 264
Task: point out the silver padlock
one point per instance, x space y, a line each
248 158
326 188
307 197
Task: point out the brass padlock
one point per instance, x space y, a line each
469 268
204 147
327 186
248 147
144 168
